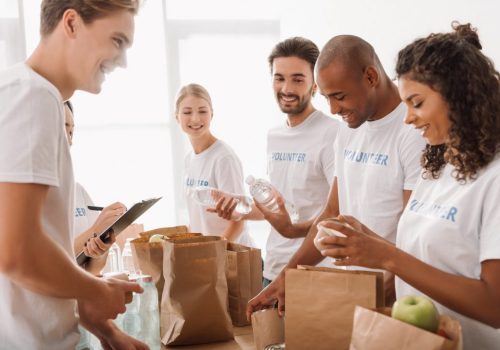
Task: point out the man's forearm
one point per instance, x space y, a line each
297 230
308 254
58 276
233 230
255 214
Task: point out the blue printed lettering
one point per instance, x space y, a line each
434 210
366 158
288 157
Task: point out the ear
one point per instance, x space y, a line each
71 21
371 75
314 88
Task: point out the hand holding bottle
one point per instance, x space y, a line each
268 199
229 206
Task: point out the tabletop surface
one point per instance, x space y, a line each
243 340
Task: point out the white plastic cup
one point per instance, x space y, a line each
327 231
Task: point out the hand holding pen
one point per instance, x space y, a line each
108 216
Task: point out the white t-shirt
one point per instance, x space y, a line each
373 165
34 149
300 167
218 167
454 227
84 218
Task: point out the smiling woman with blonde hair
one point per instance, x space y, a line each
211 163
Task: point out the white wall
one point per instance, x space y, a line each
390 24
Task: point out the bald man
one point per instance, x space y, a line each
377 156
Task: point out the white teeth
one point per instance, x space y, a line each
423 129
288 99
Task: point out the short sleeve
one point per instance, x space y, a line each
411 148
327 155
30 126
229 174
489 235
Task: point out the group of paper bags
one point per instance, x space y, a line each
204 283
328 308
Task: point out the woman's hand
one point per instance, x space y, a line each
360 247
94 247
108 216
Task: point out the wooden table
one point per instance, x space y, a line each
243 340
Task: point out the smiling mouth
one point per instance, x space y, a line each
422 128
195 127
288 99
347 117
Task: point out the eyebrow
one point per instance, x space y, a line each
409 98
293 75
334 94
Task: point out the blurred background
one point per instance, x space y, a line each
127 144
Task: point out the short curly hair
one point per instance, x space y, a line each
453 65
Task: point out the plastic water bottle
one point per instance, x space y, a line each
84 343
131 321
149 313
263 192
208 196
113 261
128 265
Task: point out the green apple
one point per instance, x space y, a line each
418 311
157 238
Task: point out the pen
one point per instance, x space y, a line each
91 207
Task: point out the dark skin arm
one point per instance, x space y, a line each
306 255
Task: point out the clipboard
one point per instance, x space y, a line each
121 223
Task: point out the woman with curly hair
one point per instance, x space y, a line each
448 240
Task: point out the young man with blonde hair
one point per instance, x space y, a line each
40 284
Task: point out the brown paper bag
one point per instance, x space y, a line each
319 305
268 328
148 257
376 330
194 304
244 279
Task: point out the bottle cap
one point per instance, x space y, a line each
250 180
146 278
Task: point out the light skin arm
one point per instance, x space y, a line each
281 221
306 255
475 298
233 230
34 261
225 208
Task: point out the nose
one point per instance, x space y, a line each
195 117
286 88
410 118
121 60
